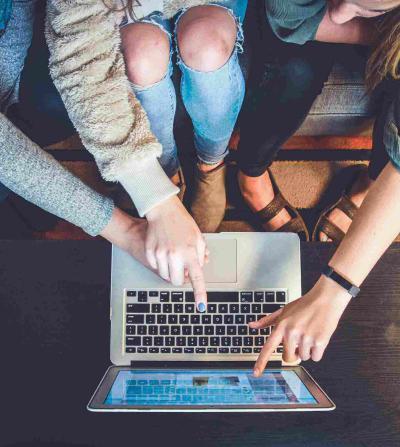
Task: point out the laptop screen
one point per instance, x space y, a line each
207 387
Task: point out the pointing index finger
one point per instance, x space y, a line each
196 276
272 343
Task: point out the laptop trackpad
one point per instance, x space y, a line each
223 261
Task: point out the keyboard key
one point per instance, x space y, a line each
234 308
137 308
178 308
186 330
256 350
158 341
225 341
256 308
177 297
161 319
265 331
195 319
153 330
164 330
253 331
169 341
237 341
223 297
258 297
231 330
176 350
183 319
192 341
212 308
156 308
239 319
245 308
206 319
142 350
203 341
131 293
217 319
200 350
197 330
150 319
147 341
246 297
130 350
212 350
172 319
131 330
175 330
214 341
181 341
133 341
164 297
223 350
188 350
270 297
243 330
259 341
142 330
281 297
246 350
235 350
223 308
142 297
209 330
189 308
248 341
270 308
189 297
250 318
220 330
279 349
228 319
153 293
154 350
165 350
167 308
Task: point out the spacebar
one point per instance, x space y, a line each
223 297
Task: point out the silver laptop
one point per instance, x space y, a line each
169 357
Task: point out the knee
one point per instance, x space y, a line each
146 51
206 37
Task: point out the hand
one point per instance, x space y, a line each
127 233
305 326
174 245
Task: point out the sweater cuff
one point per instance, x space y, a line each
147 184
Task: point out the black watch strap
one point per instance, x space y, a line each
347 285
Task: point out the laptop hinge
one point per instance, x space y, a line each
274 364
175 364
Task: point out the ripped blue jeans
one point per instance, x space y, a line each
212 99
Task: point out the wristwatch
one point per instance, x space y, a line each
347 285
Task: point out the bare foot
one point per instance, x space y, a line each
258 192
357 195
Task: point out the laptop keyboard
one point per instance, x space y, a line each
167 322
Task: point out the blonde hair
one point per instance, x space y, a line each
384 61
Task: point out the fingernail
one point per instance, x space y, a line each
256 372
201 307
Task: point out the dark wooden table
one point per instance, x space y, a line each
54 335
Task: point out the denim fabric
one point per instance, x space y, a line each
5 14
212 99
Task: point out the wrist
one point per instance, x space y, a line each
161 208
332 291
119 227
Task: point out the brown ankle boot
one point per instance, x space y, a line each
209 198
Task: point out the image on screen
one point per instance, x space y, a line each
207 387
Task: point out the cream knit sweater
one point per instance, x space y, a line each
88 69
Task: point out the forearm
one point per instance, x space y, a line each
374 228
358 31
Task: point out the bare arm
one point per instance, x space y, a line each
359 31
305 326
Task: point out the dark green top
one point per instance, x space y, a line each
295 21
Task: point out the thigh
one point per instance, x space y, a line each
14 45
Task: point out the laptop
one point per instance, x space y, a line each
167 356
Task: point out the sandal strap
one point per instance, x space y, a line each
331 230
347 206
272 209
296 225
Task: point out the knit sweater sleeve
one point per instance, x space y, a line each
33 174
88 69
